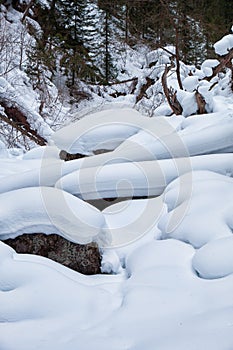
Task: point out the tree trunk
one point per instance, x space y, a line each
15 117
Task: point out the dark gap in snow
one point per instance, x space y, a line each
85 259
100 151
103 203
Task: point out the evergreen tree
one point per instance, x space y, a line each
106 36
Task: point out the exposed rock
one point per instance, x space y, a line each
82 258
69 156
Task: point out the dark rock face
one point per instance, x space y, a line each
68 156
82 258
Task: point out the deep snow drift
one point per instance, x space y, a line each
169 256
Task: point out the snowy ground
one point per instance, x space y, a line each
169 257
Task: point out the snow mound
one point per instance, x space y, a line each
49 210
215 259
189 199
42 152
208 65
102 130
223 46
135 179
78 311
129 221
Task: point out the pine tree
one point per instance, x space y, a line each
106 36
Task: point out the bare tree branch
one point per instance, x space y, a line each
171 95
225 61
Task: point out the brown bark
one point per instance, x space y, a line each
178 60
15 117
225 61
144 87
26 12
170 94
201 103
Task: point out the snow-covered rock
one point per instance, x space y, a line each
102 130
224 45
49 210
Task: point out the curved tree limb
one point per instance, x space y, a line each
225 61
170 94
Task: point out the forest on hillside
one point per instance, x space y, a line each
65 54
80 37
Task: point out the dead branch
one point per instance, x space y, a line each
170 94
177 56
144 87
225 61
26 12
135 79
201 103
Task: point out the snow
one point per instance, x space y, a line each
190 83
172 244
208 65
116 311
42 152
102 130
184 198
214 260
223 46
130 179
45 209
167 258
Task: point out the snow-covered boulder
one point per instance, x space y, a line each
224 45
49 210
102 130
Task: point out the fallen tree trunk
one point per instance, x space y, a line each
15 117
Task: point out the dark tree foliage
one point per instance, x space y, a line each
81 42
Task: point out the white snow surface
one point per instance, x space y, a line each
167 258
46 209
137 179
223 46
101 130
